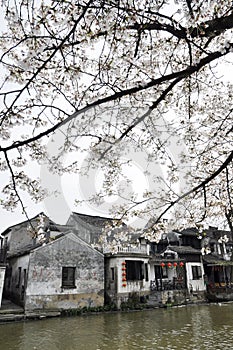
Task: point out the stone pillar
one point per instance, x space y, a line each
2 278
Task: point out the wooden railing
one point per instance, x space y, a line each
132 249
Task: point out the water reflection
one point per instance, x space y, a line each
195 327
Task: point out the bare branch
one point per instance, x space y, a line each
198 187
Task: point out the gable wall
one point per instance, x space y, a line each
44 290
19 237
90 233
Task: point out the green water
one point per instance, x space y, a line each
194 327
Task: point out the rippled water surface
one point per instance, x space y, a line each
194 327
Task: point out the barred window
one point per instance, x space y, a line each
197 272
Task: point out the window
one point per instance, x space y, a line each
146 272
164 272
68 277
197 272
19 277
134 270
112 274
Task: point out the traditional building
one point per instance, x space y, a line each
3 252
218 263
62 274
127 273
89 227
56 267
177 273
53 270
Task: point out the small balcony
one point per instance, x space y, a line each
140 249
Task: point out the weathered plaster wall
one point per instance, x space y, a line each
44 290
16 278
84 230
88 227
2 277
19 237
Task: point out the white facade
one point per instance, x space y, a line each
2 276
120 283
195 276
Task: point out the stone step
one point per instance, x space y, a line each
15 311
11 317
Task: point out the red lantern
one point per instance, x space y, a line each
123 263
124 285
123 279
169 265
175 264
162 265
181 264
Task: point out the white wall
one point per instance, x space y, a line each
131 286
194 284
2 276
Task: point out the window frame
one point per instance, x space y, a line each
68 277
196 272
134 270
112 272
19 277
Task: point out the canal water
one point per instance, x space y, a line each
194 327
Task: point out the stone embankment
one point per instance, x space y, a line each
9 312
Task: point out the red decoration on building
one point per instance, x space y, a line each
162 264
175 264
181 264
169 265
123 278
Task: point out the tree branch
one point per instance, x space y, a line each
118 95
198 187
16 190
56 49
207 29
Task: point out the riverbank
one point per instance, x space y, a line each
11 312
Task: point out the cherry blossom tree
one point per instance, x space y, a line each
114 78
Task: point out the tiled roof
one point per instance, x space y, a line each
216 260
98 221
192 231
48 223
184 250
